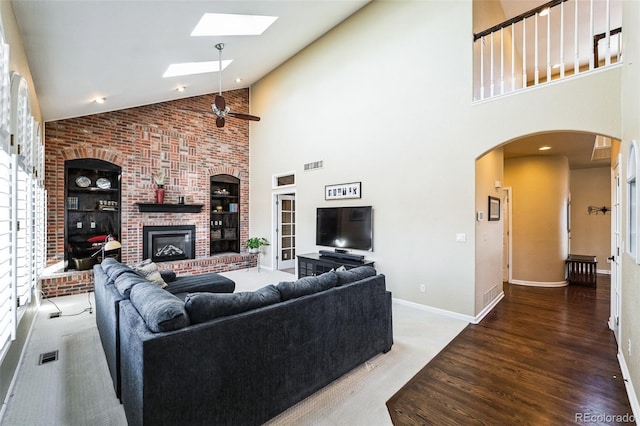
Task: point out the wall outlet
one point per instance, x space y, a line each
423 288
79 225
93 225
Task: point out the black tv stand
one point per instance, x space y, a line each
312 264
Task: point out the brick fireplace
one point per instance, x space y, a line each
170 136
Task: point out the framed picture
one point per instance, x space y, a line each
343 191
494 208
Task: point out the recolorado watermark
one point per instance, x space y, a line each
604 418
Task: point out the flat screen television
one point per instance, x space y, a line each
345 227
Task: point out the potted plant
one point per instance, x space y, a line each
254 244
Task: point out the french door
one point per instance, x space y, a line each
286 232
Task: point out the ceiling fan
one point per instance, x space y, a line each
219 107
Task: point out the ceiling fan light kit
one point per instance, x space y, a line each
219 106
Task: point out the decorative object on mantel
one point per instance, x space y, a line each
596 210
254 244
342 191
159 179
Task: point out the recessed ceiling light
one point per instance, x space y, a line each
100 100
180 88
222 24
238 80
188 68
544 148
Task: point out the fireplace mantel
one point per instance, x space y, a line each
169 208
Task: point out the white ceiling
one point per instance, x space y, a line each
79 50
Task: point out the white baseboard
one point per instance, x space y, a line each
451 314
539 283
431 309
631 393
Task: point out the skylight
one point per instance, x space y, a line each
222 24
189 68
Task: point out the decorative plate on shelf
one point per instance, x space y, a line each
103 183
83 181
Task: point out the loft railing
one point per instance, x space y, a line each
558 39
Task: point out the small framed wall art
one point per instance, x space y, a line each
494 208
343 191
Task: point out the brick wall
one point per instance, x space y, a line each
173 136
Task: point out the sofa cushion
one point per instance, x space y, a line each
355 274
113 268
161 310
149 270
307 285
203 307
125 282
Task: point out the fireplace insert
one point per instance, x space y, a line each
166 243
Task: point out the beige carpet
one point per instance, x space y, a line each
77 390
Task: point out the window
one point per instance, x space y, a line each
632 202
7 323
22 202
285 179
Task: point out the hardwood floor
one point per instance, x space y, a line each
543 356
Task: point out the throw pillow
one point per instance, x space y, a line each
168 276
161 310
203 307
149 270
355 274
307 285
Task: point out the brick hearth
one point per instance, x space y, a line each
172 136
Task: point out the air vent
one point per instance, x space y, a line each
313 165
48 357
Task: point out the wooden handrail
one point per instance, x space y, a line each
518 18
597 38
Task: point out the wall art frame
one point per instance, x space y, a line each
494 208
343 191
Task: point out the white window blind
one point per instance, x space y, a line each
7 325
7 306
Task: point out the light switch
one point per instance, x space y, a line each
93 225
461 238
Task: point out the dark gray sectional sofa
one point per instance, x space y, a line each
108 298
243 358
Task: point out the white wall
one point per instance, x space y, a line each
386 99
630 295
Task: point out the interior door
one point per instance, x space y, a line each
616 238
286 232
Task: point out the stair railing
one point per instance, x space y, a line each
555 40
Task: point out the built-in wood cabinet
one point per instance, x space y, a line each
225 214
92 209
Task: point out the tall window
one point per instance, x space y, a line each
22 202
7 324
632 202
